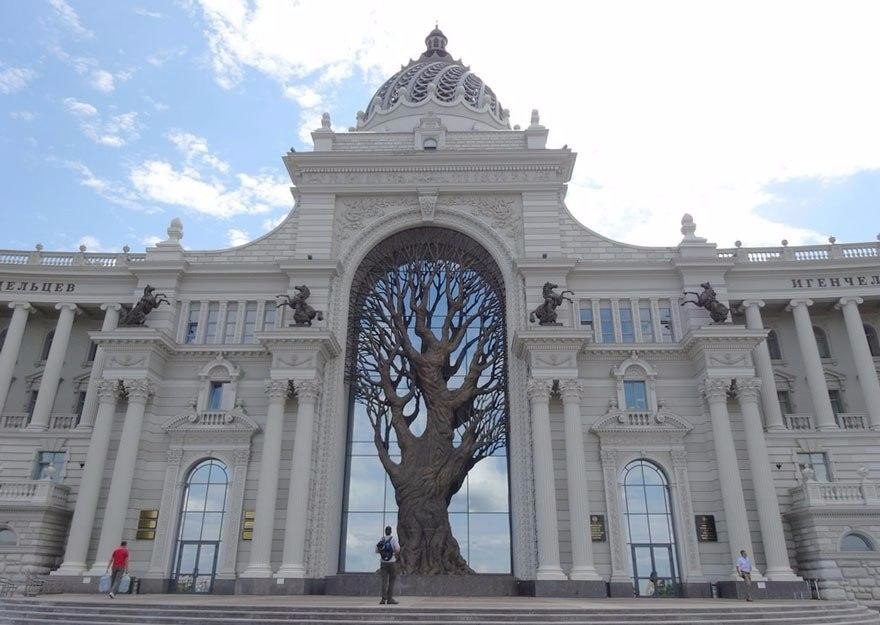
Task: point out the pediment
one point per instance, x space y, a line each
660 422
212 421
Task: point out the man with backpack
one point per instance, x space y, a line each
388 548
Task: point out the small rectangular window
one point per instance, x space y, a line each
215 397
586 312
818 462
211 322
667 334
836 402
785 404
646 322
627 328
45 459
192 323
93 349
32 402
80 403
606 318
250 322
231 319
269 316
636 394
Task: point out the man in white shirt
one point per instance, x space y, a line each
388 549
744 568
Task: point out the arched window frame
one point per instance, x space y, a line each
822 344
47 345
870 335
218 371
869 542
6 532
774 346
634 369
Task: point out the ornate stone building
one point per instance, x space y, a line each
221 439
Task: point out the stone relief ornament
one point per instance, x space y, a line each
355 214
303 314
708 299
137 314
545 314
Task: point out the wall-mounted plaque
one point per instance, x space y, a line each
146 529
706 532
597 528
247 526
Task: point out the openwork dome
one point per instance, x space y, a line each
435 78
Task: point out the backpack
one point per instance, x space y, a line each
385 549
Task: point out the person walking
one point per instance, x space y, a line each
388 549
117 567
744 569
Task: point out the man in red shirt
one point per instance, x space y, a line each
118 565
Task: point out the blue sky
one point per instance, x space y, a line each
759 120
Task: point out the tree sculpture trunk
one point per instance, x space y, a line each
427 346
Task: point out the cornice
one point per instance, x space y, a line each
293 337
143 336
722 336
557 338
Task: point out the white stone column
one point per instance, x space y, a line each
764 368
139 392
732 498
822 412
11 346
267 489
578 491
80 534
545 483
54 363
769 516
90 406
293 562
862 355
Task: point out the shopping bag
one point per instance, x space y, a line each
104 583
124 584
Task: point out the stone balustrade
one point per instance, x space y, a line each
852 421
832 251
846 421
69 259
33 493
20 420
798 421
13 421
811 494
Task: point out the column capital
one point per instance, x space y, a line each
715 389
849 299
138 391
23 305
748 389
799 301
571 389
749 303
68 306
539 389
308 389
108 391
113 306
278 389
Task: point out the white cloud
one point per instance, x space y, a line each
25 116
112 192
13 79
195 149
147 13
162 56
102 80
92 243
273 222
151 241
237 237
673 107
98 78
70 18
114 131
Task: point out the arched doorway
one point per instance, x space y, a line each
201 522
650 528
428 419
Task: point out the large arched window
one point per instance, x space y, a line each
873 341
650 527
822 342
855 541
201 526
773 345
426 363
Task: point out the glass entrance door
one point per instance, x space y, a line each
196 566
657 558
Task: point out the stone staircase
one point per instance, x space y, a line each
134 611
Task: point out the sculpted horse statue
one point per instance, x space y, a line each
137 314
303 314
545 314
708 299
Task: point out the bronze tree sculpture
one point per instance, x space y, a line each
427 358
137 314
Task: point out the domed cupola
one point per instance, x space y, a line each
438 84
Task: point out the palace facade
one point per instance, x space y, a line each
221 439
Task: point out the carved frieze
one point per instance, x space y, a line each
460 174
355 213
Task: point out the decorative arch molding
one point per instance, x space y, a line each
635 368
326 501
659 440
864 534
